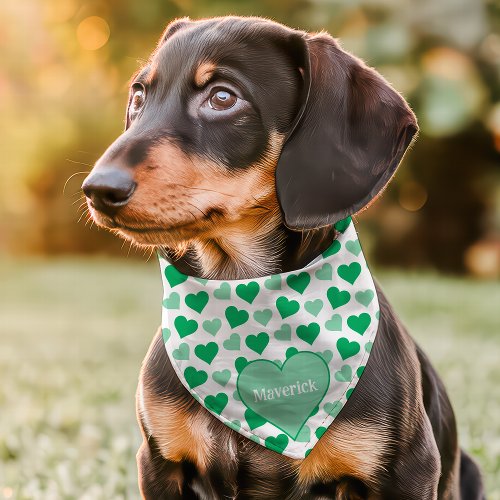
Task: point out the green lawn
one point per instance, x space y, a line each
73 334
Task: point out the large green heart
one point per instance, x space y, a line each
174 277
285 396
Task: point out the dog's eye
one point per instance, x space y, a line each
222 99
137 101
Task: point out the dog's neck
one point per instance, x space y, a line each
255 248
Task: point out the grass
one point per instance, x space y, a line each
73 334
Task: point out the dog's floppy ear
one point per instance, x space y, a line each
347 140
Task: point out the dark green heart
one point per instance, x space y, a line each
253 419
232 343
223 292
325 273
359 323
313 306
343 224
197 301
207 352
263 317
286 307
365 297
240 363
173 301
184 326
308 333
212 326
174 277
349 272
278 443
182 352
320 431
248 292
334 324
165 333
195 377
347 349
291 351
337 298
236 317
222 377
298 282
216 403
344 374
284 333
354 247
257 342
273 283
360 371
332 249
349 392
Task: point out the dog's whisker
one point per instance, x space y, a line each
73 175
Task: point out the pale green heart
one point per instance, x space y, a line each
222 377
333 409
313 306
365 297
354 247
263 317
326 355
344 374
334 324
236 396
284 333
165 333
212 326
261 384
235 424
232 343
368 347
203 281
223 292
273 283
377 314
325 273
304 436
173 301
182 352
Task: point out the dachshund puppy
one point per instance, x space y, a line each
245 142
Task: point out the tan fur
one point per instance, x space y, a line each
180 435
203 73
351 449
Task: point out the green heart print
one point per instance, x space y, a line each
285 396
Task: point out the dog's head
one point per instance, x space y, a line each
239 116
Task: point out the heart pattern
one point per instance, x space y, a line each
275 358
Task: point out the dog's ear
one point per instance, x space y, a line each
350 134
173 27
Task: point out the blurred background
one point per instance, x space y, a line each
73 329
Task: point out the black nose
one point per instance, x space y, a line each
109 188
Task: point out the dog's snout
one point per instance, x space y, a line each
109 188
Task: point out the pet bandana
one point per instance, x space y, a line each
275 358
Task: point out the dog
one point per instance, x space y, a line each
245 142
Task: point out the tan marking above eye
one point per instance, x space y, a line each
203 73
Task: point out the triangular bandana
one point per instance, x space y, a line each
275 358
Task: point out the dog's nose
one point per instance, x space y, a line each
109 188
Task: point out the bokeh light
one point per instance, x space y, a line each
412 196
93 33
